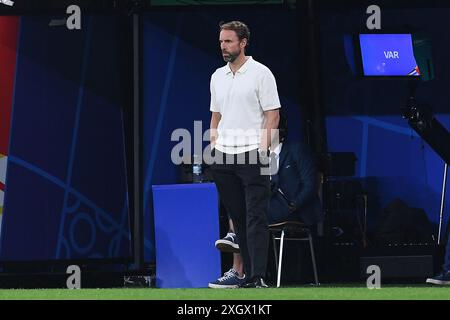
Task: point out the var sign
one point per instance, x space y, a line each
391 55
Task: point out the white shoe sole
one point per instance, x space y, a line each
434 281
220 286
227 246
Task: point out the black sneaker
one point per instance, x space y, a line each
255 282
228 244
440 279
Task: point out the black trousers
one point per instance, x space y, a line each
245 192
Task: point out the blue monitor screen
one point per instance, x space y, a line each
388 55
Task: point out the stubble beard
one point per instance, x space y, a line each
231 56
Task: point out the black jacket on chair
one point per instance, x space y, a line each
297 184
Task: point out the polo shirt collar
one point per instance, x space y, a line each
243 68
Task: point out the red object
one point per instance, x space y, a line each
9 33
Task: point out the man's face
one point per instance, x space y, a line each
230 45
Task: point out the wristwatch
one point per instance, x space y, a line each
264 157
264 153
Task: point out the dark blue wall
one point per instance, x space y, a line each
364 115
66 193
181 51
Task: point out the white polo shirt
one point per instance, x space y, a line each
241 99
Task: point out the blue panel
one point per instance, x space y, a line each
31 219
47 80
341 128
99 148
394 161
185 232
391 153
67 187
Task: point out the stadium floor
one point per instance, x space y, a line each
324 292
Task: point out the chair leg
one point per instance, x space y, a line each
280 259
313 257
275 252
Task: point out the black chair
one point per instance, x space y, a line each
291 231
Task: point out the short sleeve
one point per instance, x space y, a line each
268 93
213 106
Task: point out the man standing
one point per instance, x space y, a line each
294 197
245 116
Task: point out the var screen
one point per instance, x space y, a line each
388 55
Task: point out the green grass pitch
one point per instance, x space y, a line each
324 292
